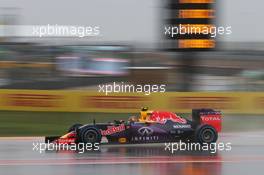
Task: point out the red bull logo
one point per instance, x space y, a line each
113 129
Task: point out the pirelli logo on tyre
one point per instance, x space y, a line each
33 100
204 102
114 102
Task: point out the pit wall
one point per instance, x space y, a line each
92 101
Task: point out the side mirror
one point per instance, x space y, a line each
148 122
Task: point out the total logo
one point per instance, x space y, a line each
145 131
207 118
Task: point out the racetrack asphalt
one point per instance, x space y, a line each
245 157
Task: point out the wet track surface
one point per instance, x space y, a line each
245 157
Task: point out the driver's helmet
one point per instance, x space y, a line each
144 113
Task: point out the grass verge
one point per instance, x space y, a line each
14 123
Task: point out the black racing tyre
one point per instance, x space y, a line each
74 127
206 134
90 135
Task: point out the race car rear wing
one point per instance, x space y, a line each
209 117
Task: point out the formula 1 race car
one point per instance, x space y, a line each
149 127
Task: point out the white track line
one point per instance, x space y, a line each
21 138
117 162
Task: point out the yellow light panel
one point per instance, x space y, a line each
196 43
196 13
196 1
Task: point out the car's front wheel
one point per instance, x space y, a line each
90 135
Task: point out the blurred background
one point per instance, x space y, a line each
131 48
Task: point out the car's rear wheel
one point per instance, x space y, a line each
90 135
206 134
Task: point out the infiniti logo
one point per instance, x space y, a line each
145 131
